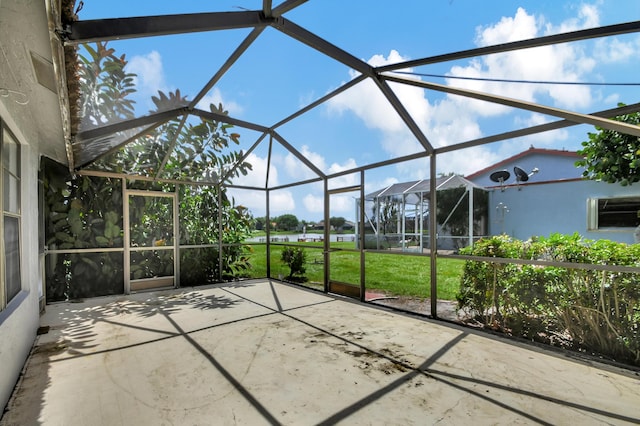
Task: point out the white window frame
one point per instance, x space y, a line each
5 132
593 214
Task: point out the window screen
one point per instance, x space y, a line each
618 212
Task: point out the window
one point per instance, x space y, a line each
620 212
10 224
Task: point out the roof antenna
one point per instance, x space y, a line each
522 176
500 176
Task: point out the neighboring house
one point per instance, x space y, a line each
30 126
348 226
557 199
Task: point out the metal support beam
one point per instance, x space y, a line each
85 147
404 114
253 35
606 31
291 185
529 106
267 7
321 45
554 125
230 120
147 26
242 158
363 288
322 100
266 179
172 145
130 124
433 236
326 243
298 154
286 6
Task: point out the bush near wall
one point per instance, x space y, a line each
587 310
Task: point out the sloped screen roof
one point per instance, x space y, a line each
237 67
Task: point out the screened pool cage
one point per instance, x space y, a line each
127 211
397 217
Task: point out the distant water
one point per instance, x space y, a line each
307 237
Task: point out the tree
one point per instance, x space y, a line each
287 222
104 86
337 222
455 210
87 212
260 223
611 156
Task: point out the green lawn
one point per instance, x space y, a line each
392 274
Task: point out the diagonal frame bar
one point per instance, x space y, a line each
298 154
606 31
148 26
404 114
529 106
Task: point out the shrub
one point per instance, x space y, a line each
295 258
586 309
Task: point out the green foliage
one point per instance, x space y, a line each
286 222
260 223
590 310
86 212
81 212
611 156
295 258
104 86
337 222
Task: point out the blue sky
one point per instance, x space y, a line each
278 75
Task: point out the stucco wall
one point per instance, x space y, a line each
19 320
542 209
551 167
37 126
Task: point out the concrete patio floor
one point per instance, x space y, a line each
262 352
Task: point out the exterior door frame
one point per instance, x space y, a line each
346 289
127 193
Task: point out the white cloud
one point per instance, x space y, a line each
313 203
342 205
520 27
256 177
298 170
588 16
564 62
151 79
616 51
281 201
215 97
612 99
540 139
150 74
451 119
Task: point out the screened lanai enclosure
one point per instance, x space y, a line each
398 216
164 180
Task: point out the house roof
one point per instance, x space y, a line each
531 151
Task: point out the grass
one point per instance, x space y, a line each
392 274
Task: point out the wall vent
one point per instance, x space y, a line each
43 71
